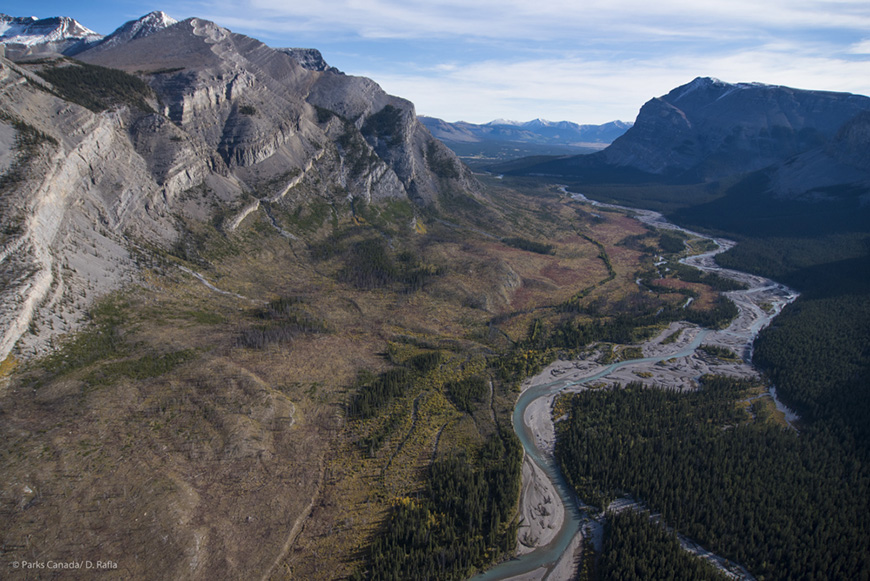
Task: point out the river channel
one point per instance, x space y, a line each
532 421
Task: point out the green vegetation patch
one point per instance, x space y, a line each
145 367
720 352
629 353
102 339
105 354
688 273
672 337
530 245
672 241
466 392
375 392
97 88
370 264
281 321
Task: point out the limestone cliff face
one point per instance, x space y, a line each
662 138
231 119
260 108
68 200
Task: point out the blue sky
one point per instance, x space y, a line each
587 61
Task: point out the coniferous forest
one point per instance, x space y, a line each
463 519
636 549
785 505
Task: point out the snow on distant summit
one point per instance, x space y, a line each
140 28
504 122
61 34
31 31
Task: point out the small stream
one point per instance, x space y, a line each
577 516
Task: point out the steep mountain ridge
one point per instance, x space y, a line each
707 130
248 101
227 117
713 127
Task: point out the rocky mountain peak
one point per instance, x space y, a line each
32 31
139 28
309 58
30 35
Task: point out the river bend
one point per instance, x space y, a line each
532 416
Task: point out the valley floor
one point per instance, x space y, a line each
671 360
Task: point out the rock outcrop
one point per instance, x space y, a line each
839 168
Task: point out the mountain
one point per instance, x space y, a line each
24 36
199 108
281 208
536 131
708 129
139 28
503 140
258 322
221 261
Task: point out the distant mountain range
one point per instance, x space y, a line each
502 140
538 131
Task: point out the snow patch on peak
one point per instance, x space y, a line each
714 83
697 83
30 31
540 123
140 28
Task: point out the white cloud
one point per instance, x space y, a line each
588 61
520 19
587 91
862 47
